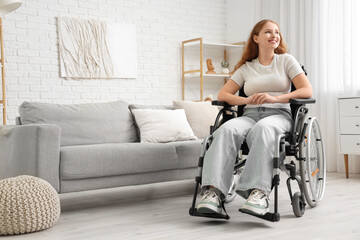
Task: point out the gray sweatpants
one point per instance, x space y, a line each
259 126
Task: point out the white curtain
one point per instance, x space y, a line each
324 35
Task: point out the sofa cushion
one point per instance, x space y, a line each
163 125
188 152
201 115
102 160
88 123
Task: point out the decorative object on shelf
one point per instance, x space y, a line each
208 99
27 204
225 65
210 67
93 49
194 72
6 6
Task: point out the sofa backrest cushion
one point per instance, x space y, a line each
89 123
144 106
201 115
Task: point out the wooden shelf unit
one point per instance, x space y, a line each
199 73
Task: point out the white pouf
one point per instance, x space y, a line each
27 204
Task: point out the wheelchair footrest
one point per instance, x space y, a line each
272 217
194 212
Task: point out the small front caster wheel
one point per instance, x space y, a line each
298 204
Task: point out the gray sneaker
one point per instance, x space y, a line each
257 203
210 203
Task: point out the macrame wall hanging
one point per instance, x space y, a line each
95 49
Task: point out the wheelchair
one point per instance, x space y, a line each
303 142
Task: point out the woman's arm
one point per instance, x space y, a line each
226 94
303 90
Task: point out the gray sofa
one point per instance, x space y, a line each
90 146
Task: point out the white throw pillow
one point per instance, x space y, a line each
163 125
201 115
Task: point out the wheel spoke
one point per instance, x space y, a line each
313 167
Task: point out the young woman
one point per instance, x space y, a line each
266 72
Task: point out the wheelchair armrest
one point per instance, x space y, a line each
222 103
301 101
298 101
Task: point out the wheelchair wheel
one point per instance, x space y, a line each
313 165
298 205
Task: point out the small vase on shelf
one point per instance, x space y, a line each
225 65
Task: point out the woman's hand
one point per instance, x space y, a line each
261 98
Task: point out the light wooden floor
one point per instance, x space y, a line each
160 211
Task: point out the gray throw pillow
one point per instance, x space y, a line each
89 123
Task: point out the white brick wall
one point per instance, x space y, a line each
31 50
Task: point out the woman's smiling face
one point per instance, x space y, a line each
269 36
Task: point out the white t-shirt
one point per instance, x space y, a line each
274 79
